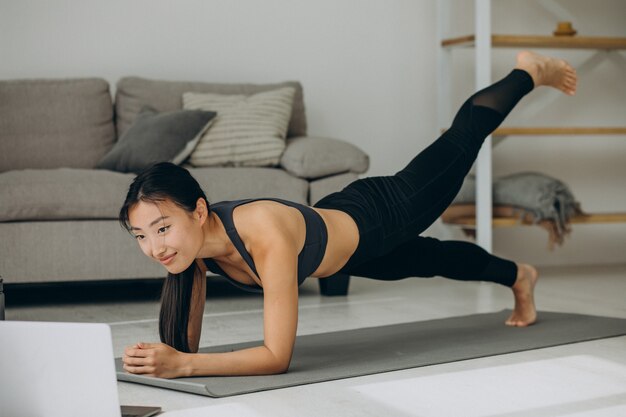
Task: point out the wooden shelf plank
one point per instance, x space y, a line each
467 40
505 131
532 41
513 221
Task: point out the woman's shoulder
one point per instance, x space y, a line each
262 215
266 222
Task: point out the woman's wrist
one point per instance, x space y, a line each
185 366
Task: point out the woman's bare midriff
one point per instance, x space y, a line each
343 239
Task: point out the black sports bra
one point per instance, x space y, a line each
309 257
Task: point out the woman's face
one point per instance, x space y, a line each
167 233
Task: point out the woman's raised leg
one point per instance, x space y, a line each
432 179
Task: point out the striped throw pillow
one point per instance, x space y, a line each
247 131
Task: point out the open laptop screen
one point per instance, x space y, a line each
57 370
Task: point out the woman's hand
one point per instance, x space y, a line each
154 359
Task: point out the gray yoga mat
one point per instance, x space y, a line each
350 353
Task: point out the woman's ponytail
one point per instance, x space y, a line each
175 306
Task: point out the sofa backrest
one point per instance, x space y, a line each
52 123
134 92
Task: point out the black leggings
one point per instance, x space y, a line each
391 211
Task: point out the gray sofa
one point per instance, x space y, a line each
58 215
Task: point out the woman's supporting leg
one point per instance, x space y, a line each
460 260
429 257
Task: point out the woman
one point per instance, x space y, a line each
370 229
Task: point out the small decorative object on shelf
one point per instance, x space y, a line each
564 29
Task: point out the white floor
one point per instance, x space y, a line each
582 379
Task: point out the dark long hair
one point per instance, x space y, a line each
160 182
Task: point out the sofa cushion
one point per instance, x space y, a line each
51 123
248 130
62 194
73 194
312 158
134 92
157 137
222 184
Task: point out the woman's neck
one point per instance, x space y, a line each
216 243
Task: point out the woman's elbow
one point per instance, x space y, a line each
279 369
281 366
276 365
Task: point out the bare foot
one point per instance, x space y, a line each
524 313
552 72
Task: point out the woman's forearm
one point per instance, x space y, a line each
252 361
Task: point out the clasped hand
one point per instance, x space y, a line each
153 359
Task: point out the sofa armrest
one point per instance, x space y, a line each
313 157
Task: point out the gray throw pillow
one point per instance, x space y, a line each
157 137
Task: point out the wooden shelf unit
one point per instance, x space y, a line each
483 41
528 41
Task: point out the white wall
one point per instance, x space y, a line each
365 66
368 70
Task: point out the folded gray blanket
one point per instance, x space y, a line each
531 193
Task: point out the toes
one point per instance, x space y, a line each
511 321
514 322
568 88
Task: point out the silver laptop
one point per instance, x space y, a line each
60 370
